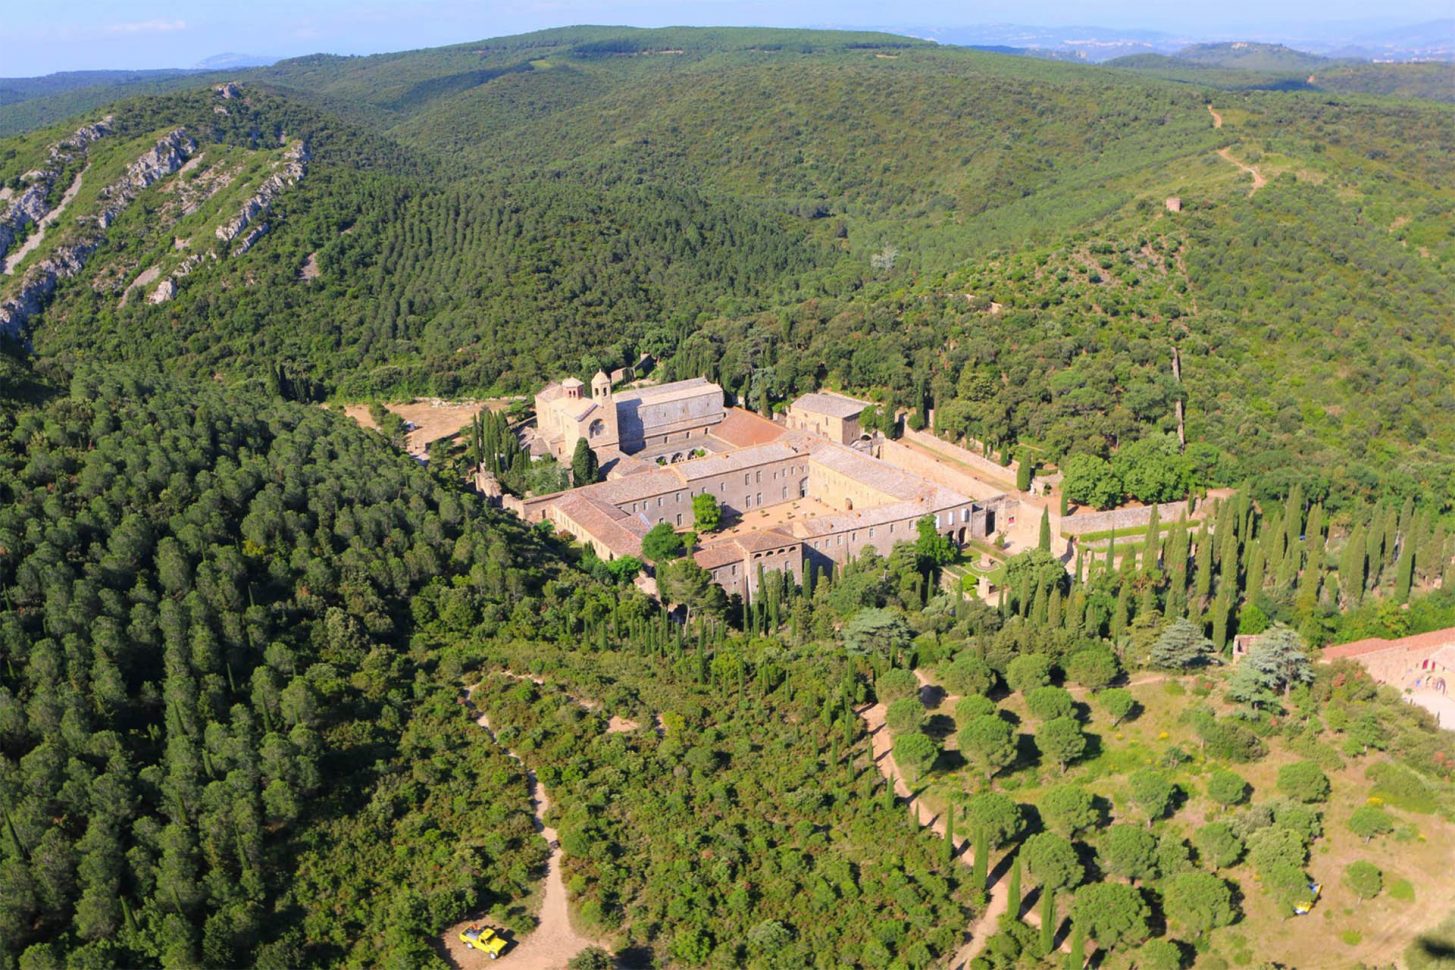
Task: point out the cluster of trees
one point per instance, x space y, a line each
216 747
604 207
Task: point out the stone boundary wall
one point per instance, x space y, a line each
1131 518
942 473
1004 473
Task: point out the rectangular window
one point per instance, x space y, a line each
871 532
679 518
747 479
760 476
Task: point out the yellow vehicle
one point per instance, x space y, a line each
484 939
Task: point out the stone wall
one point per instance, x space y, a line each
978 462
1129 518
940 472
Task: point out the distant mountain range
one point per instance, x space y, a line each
1433 40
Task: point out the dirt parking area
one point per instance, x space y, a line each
430 419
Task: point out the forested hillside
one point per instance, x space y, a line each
207 687
780 209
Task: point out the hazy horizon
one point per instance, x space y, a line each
151 34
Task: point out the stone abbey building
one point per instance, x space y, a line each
808 492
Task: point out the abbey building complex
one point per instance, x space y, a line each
810 491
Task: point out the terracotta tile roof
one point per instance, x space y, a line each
1432 641
618 532
833 405
719 554
743 429
764 540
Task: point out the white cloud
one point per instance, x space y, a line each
147 27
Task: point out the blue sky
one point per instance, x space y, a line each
78 34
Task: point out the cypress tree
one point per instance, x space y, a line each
1048 918
1120 615
1404 573
1076 959
1202 565
950 834
1153 542
1013 906
1045 539
980 872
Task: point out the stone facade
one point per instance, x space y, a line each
628 422
870 504
829 415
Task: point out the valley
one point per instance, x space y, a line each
729 497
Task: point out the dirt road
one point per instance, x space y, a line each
554 941
999 898
1258 180
1217 118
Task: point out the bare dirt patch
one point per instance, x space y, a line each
430 419
310 270
617 724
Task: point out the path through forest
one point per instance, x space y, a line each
554 941
998 901
1258 180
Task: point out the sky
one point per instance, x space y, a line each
39 38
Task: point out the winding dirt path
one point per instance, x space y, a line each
46 221
1258 180
553 942
998 899
1226 154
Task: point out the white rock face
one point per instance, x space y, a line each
293 168
30 206
39 282
164 292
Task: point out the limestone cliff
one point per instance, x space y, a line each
32 204
39 282
294 165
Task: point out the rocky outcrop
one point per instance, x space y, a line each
168 155
32 205
293 167
40 281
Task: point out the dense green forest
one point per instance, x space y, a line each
243 642
941 228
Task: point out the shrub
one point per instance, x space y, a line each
1304 781
904 715
896 683
1364 878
